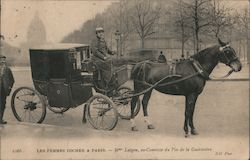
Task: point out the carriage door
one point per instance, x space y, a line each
59 87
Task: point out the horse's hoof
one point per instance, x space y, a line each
134 129
194 132
186 135
150 126
84 121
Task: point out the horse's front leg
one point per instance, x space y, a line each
145 101
132 120
189 110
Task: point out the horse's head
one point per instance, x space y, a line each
228 56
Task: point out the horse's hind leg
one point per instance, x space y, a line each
192 107
186 117
133 105
189 110
145 101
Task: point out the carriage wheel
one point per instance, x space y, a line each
124 107
58 109
28 105
101 112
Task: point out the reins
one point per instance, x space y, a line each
199 71
152 86
227 75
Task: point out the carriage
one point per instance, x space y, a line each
65 76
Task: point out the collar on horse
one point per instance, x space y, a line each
204 73
197 66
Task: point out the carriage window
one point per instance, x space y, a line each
85 54
78 59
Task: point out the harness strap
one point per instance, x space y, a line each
152 86
200 69
173 68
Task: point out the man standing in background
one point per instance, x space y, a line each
6 84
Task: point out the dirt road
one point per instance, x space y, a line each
221 118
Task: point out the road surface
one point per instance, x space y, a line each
221 118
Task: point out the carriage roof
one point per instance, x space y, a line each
52 60
58 46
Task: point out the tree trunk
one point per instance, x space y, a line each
142 43
182 49
197 41
239 49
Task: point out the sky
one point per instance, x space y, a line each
60 17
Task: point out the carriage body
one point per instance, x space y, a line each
57 73
64 77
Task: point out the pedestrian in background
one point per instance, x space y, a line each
162 58
6 84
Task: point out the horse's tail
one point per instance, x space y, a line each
136 71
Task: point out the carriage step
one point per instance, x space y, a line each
88 84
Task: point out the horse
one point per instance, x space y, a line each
147 74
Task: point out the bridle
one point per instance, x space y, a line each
223 57
223 54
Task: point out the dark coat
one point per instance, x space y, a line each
7 79
162 59
100 49
101 52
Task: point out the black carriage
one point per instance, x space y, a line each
64 76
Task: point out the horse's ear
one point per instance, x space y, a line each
221 43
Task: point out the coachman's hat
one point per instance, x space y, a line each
99 29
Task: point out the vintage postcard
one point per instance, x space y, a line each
124 79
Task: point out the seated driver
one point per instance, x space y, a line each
101 55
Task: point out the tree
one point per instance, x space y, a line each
220 18
144 17
242 29
198 10
181 24
242 23
121 21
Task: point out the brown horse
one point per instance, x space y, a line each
146 74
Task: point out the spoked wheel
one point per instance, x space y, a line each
123 106
58 109
101 113
28 105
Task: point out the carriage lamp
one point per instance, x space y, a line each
117 38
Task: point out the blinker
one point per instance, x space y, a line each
222 48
